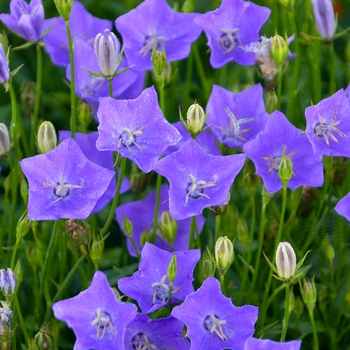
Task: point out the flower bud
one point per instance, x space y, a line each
285 260
159 61
309 294
224 254
7 281
138 179
23 225
96 251
168 227
43 339
285 169
84 114
195 118
127 225
64 8
324 18
172 269
18 271
208 266
4 67
46 138
4 140
107 49
79 231
288 4
271 102
279 49
27 96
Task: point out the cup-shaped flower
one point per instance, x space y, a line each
197 179
286 260
135 128
236 119
96 316
266 344
162 333
328 125
4 140
150 286
234 24
154 22
107 48
280 138
27 20
324 18
62 183
212 321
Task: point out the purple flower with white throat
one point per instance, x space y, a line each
212 321
236 119
27 20
150 286
324 18
62 183
328 125
282 139
266 344
233 25
96 316
154 22
135 128
197 179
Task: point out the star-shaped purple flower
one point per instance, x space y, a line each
266 344
82 25
212 321
233 25
163 333
149 286
236 119
63 183
155 22
280 138
328 125
135 128
197 179
141 215
96 316
27 20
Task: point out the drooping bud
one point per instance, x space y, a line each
285 260
172 269
64 8
309 293
224 254
4 140
195 118
324 18
279 49
46 138
43 339
168 227
4 67
285 169
79 231
159 61
107 49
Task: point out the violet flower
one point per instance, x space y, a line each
155 22
62 183
96 316
328 125
212 321
236 119
82 25
141 215
343 207
280 138
164 333
87 144
197 179
149 286
4 67
265 344
229 28
324 18
135 128
27 20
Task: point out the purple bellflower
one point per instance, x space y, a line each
149 286
146 334
87 144
135 128
236 119
229 28
27 20
141 215
82 25
63 183
197 179
4 67
328 125
324 18
212 321
281 139
96 316
343 207
265 344
154 22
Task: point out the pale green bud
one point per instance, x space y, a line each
195 118
46 138
168 227
285 260
285 169
159 61
309 294
64 8
43 339
279 49
224 254
96 251
172 269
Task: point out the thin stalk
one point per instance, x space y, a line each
217 227
110 86
332 83
286 314
192 232
156 209
21 320
314 329
279 87
200 70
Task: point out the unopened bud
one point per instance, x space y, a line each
4 140
285 260
96 251
127 225
324 18
208 266
84 114
285 169
7 281
172 269
279 49
309 294
46 138
159 61
138 179
64 8
195 118
79 231
23 226
224 254
43 339
168 227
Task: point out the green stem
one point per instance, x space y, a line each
279 87
21 320
110 86
72 82
286 314
316 79
332 83
156 209
192 232
217 227
13 258
200 70
314 329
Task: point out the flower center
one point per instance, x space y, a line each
141 342
128 138
161 291
234 131
150 41
213 324
195 188
322 129
229 39
61 189
276 161
103 324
